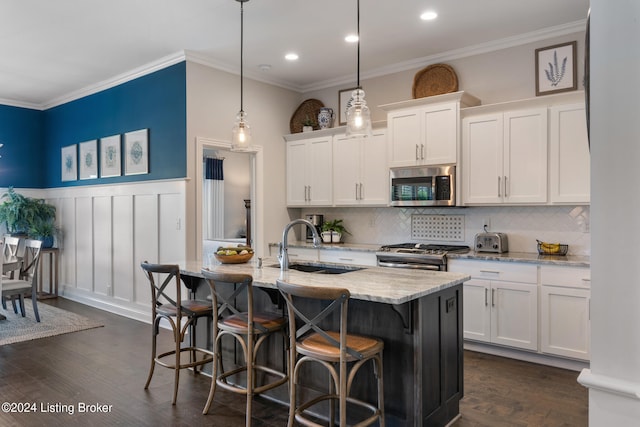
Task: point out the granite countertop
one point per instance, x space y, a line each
528 257
378 284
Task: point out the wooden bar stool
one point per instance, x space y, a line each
175 312
248 328
342 354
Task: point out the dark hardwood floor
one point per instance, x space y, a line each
109 365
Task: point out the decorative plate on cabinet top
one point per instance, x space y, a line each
309 109
435 79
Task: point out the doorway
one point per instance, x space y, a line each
242 198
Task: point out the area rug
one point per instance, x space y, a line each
53 321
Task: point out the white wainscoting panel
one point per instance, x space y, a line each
123 263
108 231
84 243
102 244
145 234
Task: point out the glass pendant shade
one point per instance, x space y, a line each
358 116
241 137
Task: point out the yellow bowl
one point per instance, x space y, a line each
234 259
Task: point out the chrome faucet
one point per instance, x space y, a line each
283 256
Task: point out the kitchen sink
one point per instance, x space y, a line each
317 268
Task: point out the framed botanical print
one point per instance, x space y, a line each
110 157
136 146
69 155
556 69
89 159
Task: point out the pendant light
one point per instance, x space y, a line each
241 139
358 114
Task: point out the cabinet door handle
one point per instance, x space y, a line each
361 192
417 157
493 297
422 151
486 297
499 195
490 271
505 187
308 193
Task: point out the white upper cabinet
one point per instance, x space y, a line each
569 161
309 172
533 151
424 131
505 157
360 170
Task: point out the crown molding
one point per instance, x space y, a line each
531 37
20 104
136 73
198 58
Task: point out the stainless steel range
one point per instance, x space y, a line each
417 255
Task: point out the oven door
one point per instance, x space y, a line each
411 263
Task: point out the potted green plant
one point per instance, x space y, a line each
307 124
45 231
27 216
332 231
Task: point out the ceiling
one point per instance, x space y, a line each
54 50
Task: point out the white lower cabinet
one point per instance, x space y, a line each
500 303
539 307
502 313
565 312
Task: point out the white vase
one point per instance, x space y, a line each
307 128
335 237
326 236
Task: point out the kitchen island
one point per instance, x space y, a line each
418 315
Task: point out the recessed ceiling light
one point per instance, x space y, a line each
291 56
429 15
351 38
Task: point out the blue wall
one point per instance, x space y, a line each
157 102
32 139
23 160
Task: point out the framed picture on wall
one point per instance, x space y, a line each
69 155
89 159
556 69
344 96
136 154
110 158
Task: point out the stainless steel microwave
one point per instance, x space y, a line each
423 186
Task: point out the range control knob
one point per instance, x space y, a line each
478 245
495 246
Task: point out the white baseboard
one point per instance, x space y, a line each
106 303
542 359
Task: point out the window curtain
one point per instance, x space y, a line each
213 199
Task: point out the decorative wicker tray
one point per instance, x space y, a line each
309 108
435 79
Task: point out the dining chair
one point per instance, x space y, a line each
250 329
341 353
10 251
27 281
181 315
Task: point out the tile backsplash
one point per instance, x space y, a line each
523 224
